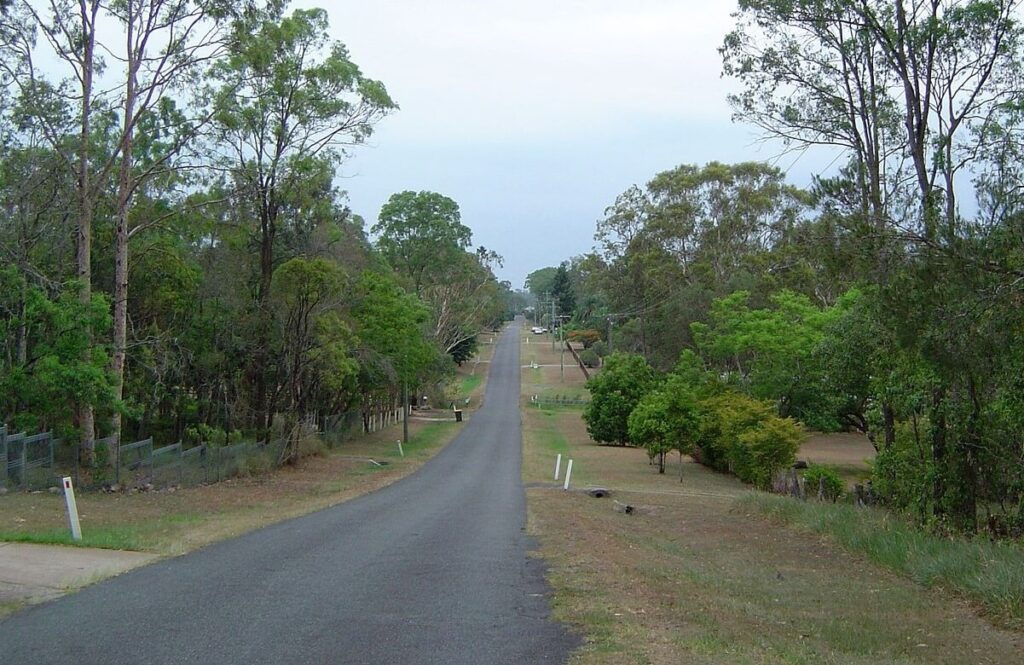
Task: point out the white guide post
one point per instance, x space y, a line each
568 475
558 465
69 499
400 451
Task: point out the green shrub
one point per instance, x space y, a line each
590 358
903 473
312 445
615 392
818 473
743 435
764 449
725 417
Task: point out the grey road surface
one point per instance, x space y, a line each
433 569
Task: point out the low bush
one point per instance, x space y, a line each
770 445
824 477
903 473
257 464
590 358
743 435
587 337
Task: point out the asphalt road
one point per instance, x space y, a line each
433 569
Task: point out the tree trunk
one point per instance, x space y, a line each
83 235
263 412
124 197
21 333
939 452
889 425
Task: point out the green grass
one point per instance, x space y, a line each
426 440
989 573
550 436
566 391
134 536
468 384
552 441
108 538
8 607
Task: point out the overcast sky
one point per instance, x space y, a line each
534 115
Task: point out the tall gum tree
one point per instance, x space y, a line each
944 73
67 29
287 95
166 43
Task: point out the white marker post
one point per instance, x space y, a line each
568 475
558 465
400 451
69 498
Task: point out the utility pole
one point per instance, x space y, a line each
561 356
611 328
553 322
405 397
405 412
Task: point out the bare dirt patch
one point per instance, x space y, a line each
845 449
850 453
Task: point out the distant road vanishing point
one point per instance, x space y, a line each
433 569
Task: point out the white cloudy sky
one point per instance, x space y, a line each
534 115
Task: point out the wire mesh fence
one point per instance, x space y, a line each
38 461
558 400
27 460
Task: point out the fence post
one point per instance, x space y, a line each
52 467
24 463
3 456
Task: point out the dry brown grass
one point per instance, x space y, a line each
172 522
694 579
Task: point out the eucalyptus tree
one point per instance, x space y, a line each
813 75
166 45
539 281
464 300
108 114
422 237
287 98
419 233
693 233
64 112
922 97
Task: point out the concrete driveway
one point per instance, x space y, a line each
35 573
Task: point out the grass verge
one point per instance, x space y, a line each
175 522
990 574
693 576
9 607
